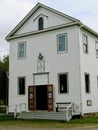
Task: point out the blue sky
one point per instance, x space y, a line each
12 11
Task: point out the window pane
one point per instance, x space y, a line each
96 46
62 39
85 41
22 85
40 23
63 83
85 48
21 47
62 42
85 44
96 53
21 50
21 54
87 85
61 47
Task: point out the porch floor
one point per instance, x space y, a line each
43 115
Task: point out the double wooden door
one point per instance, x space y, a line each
40 97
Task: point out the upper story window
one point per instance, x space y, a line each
62 42
21 50
85 43
40 23
97 49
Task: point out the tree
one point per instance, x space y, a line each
4 68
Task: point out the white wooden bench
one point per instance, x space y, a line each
61 106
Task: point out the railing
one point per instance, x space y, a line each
4 106
69 111
17 108
68 107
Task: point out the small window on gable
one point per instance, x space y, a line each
40 23
97 49
85 43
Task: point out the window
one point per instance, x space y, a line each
21 85
62 43
87 83
63 83
97 49
21 50
97 81
40 23
85 44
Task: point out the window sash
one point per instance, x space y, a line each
85 39
85 48
21 49
21 85
96 45
40 23
62 42
63 83
85 43
96 53
87 83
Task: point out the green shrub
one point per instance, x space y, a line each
2 109
1 102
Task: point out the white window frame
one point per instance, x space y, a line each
97 81
88 83
96 47
85 43
20 51
66 73
65 43
19 86
42 23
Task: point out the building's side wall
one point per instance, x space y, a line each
55 63
89 64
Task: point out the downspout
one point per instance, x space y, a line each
81 112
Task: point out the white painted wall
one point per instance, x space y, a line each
89 64
55 63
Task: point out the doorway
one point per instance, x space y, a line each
41 97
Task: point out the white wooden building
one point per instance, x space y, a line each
53 59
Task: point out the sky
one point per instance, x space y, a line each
13 11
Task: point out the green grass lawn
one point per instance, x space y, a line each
5 120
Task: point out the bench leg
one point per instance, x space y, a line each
56 109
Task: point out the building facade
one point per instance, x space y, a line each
53 58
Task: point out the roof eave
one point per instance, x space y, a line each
42 31
22 22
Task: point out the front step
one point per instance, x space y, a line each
43 115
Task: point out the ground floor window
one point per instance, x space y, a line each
21 85
63 83
87 83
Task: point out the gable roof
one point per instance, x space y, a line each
23 21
